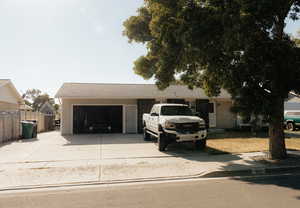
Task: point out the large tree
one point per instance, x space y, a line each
35 98
237 45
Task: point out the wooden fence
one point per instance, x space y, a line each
45 122
10 128
10 123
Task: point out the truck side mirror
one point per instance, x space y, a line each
153 114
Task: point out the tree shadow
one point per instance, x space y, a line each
237 134
189 152
248 134
279 176
292 134
251 166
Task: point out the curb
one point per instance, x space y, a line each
111 182
251 172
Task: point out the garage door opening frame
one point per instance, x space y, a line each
123 113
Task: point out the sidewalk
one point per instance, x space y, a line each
53 159
44 173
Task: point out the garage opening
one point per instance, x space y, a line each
97 119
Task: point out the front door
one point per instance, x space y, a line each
202 107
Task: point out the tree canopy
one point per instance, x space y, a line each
35 98
238 45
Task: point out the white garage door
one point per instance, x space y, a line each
131 119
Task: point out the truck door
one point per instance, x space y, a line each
154 116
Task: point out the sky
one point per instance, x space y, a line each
44 43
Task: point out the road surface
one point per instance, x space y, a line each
260 192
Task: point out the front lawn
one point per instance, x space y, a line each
240 142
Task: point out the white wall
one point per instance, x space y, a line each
7 95
8 106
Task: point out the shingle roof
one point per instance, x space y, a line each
133 91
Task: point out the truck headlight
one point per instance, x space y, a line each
170 125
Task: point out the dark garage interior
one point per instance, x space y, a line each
97 119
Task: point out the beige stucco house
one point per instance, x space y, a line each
88 108
10 99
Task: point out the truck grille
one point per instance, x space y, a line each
187 127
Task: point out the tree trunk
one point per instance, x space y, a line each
276 132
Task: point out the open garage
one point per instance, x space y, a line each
97 119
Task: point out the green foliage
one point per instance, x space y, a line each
40 100
35 98
237 45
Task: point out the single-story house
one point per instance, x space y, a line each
87 106
10 99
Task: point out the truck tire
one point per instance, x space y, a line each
290 126
146 135
162 142
200 144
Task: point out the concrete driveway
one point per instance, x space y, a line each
56 159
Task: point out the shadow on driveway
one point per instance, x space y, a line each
103 139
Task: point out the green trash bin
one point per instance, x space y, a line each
27 129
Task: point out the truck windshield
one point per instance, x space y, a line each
176 111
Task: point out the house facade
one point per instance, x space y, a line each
10 99
89 108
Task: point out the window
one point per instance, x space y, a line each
176 111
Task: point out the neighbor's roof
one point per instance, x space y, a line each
7 98
129 91
47 104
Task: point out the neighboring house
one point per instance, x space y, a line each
10 99
47 108
293 102
121 106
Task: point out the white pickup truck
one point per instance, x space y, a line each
174 123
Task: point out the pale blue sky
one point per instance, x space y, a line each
44 43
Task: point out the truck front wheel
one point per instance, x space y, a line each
200 144
162 142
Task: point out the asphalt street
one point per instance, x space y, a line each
263 192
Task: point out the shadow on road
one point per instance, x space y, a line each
282 178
